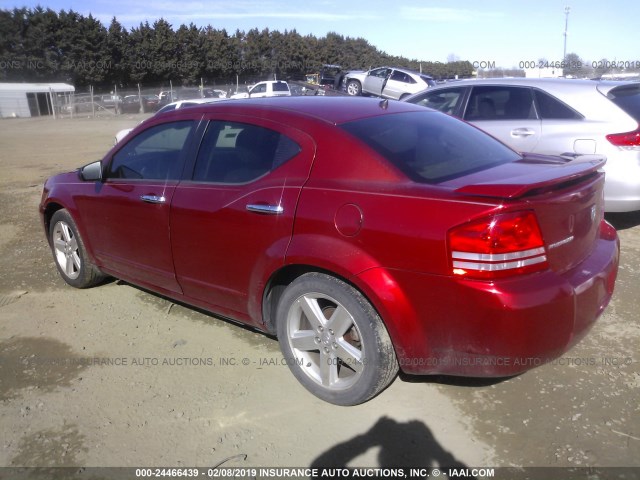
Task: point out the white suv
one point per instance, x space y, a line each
572 118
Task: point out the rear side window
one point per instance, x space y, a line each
628 99
280 87
430 147
550 108
500 103
428 80
401 77
233 152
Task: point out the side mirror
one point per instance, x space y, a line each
91 172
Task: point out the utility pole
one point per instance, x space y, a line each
567 9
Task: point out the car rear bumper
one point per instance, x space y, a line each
492 329
622 184
621 196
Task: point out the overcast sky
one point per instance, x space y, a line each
506 32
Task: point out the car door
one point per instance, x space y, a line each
398 84
375 80
564 130
128 216
507 113
258 91
232 222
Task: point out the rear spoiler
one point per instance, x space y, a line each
567 168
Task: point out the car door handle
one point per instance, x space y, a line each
268 209
153 198
522 132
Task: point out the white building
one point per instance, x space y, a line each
543 72
32 99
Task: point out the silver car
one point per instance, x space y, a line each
558 117
386 82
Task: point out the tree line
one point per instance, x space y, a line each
40 44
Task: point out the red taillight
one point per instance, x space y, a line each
498 246
628 139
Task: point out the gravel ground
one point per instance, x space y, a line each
117 376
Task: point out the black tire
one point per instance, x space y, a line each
69 252
354 88
343 354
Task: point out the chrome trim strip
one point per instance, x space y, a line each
497 257
562 242
492 267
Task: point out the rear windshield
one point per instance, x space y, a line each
428 80
431 147
628 99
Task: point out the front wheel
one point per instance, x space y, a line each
354 88
69 252
334 341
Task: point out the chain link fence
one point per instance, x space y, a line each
88 102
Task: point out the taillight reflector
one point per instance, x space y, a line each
501 245
628 139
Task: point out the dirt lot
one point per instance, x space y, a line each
183 388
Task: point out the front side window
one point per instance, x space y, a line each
261 88
445 100
233 152
379 72
500 103
430 147
154 154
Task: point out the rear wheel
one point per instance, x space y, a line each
334 341
354 88
69 252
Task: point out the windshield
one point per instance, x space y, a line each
430 147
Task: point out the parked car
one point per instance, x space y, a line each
557 117
167 108
428 247
111 101
272 88
151 103
79 104
132 104
328 75
386 82
215 93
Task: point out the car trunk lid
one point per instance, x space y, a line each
565 195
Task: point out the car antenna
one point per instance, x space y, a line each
384 104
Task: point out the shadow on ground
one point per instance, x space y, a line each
401 444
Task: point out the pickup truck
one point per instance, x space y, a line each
271 88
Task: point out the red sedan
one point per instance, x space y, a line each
366 235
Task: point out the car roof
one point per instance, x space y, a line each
553 85
334 110
405 70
